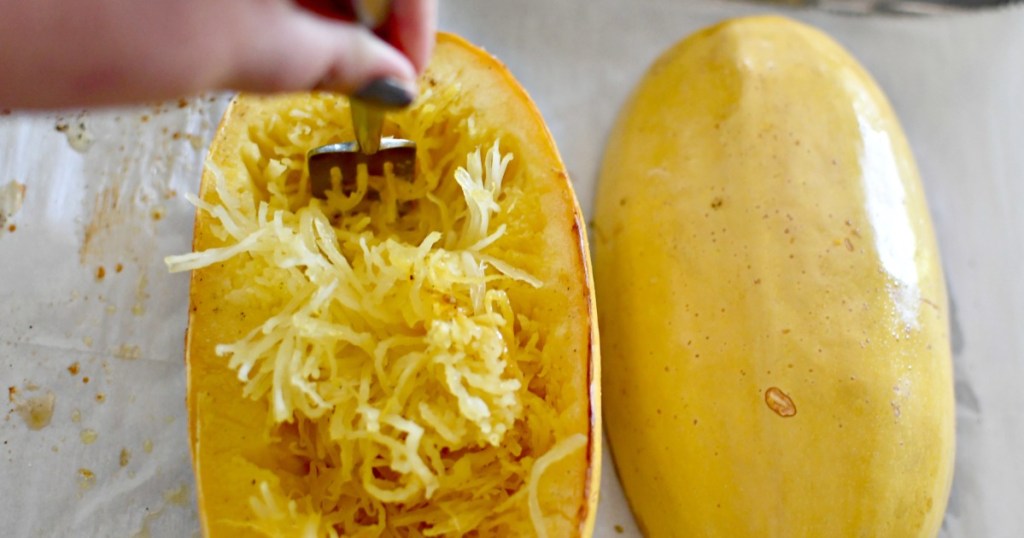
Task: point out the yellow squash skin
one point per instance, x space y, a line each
773 312
225 428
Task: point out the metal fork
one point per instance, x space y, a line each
368 122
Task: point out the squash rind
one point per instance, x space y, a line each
773 311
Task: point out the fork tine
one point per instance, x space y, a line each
346 157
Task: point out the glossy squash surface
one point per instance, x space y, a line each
773 312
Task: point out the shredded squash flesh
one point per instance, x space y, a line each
404 389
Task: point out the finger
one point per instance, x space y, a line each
291 49
414 23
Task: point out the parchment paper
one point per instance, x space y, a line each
91 324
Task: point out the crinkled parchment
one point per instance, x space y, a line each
94 433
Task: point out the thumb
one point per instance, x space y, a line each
295 50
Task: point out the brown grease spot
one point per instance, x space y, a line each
100 273
717 202
85 379
36 411
177 496
88 436
110 211
100 397
12 228
125 457
128 352
118 268
73 369
86 479
779 402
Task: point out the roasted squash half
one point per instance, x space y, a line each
775 341
404 357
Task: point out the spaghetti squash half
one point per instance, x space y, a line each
403 357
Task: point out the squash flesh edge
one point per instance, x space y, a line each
202 338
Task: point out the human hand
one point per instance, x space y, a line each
55 53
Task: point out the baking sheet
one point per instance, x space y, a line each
93 435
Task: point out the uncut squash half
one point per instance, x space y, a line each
775 337
403 358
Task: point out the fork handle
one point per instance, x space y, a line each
368 122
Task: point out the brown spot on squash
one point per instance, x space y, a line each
779 402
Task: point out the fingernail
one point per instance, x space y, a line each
385 92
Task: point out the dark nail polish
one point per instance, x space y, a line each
385 93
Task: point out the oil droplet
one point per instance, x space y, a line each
141 294
86 479
177 496
37 411
146 521
779 402
125 457
128 353
76 416
79 138
88 436
147 446
12 196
